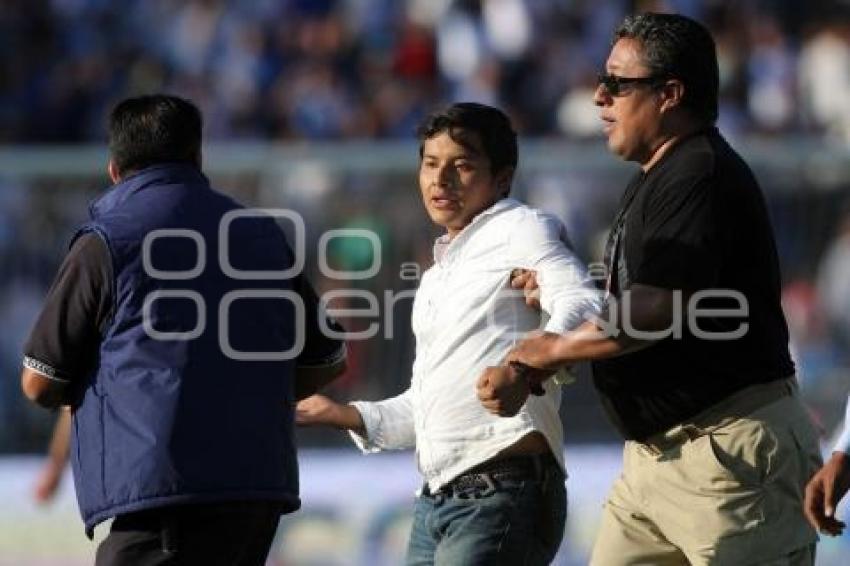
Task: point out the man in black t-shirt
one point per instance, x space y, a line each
691 361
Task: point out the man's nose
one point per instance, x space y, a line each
444 176
601 96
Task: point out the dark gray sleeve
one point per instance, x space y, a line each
63 344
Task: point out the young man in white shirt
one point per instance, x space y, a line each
494 487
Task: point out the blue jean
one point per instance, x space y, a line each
515 522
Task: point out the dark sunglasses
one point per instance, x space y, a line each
615 85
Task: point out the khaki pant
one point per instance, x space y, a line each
725 489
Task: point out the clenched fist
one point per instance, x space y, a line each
318 410
502 390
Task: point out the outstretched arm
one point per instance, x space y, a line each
626 326
503 390
382 425
318 410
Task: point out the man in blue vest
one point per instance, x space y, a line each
181 332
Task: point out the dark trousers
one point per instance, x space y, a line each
226 534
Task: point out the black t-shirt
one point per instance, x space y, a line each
65 339
695 221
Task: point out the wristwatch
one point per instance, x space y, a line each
524 371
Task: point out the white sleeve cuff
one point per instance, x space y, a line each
371 421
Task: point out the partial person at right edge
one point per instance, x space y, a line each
829 485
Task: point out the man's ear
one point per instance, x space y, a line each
114 173
672 93
503 181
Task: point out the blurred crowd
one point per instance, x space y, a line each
330 69
307 70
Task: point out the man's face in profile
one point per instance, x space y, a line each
631 114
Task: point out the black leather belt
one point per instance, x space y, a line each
490 473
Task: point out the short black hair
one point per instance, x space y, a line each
674 46
493 127
156 128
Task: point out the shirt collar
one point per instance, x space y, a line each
445 248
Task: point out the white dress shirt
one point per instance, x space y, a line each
466 317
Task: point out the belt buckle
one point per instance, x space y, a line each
490 485
468 486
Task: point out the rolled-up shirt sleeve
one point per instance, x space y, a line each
388 423
567 293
